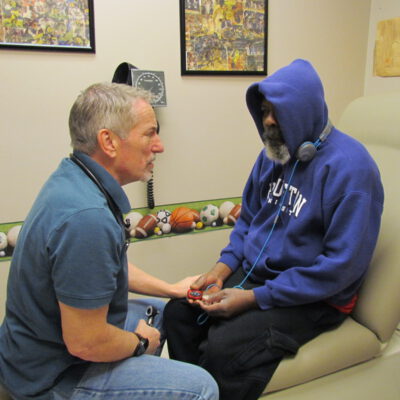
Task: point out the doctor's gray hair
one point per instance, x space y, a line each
103 106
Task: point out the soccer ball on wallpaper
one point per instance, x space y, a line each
209 215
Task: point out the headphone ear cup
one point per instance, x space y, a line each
306 152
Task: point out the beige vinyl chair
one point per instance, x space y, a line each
367 332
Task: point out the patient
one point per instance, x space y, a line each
300 250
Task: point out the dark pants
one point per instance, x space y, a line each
243 352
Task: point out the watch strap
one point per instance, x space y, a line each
142 345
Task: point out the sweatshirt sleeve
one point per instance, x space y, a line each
352 226
233 254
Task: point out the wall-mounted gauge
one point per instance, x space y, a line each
152 81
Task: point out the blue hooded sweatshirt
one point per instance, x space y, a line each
323 240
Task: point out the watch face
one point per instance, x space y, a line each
152 81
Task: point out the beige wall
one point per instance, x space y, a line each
205 125
210 140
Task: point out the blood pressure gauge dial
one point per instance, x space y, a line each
152 81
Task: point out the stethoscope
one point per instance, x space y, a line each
110 202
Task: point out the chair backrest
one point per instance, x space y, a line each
375 121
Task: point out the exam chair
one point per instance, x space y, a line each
361 358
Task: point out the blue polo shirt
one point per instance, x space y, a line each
70 249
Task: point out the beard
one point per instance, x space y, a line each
148 173
275 146
147 176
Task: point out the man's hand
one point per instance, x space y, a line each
212 281
88 335
179 289
206 280
150 333
228 302
216 277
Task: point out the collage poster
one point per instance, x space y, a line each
45 23
225 35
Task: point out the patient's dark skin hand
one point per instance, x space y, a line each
228 302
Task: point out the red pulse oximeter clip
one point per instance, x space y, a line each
194 294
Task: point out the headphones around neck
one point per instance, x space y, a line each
307 150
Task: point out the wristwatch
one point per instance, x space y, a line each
141 346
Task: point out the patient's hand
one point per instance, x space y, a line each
207 283
228 302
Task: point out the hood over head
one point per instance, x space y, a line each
297 95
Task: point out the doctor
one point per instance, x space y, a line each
70 331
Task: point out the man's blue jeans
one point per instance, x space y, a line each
140 378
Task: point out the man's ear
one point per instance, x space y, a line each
108 142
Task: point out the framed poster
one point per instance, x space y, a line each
47 25
223 37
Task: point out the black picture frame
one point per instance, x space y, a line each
223 37
47 25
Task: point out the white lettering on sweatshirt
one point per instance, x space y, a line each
294 200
